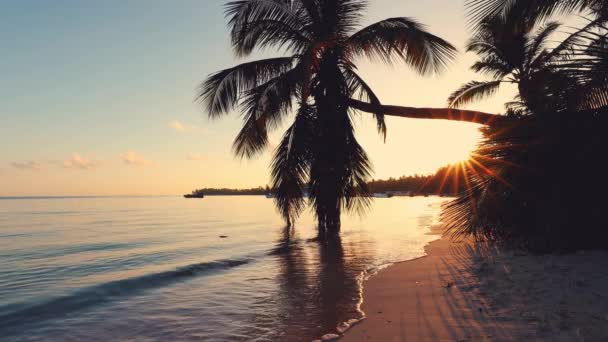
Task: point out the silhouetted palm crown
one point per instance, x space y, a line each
479 10
322 41
511 39
513 51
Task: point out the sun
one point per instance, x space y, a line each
462 156
459 152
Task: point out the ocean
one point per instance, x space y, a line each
173 269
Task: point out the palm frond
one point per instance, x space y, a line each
504 39
405 39
566 48
291 165
264 108
252 139
597 97
479 10
482 43
311 9
358 171
473 91
265 23
268 33
365 93
493 66
537 43
339 18
221 91
530 10
517 107
588 66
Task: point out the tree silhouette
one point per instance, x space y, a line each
513 50
318 80
536 181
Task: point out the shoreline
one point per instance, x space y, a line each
466 291
344 328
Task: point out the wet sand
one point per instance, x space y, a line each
471 292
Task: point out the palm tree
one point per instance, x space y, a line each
511 50
317 79
511 180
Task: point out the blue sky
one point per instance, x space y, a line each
98 98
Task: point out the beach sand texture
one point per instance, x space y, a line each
471 292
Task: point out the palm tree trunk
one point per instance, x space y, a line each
328 169
431 113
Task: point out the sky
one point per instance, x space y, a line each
98 98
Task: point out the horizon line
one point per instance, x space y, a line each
3 197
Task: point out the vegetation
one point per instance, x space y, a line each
443 182
514 51
447 180
318 79
517 193
535 10
232 192
539 185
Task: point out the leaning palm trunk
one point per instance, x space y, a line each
450 114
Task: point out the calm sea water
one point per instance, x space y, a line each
156 269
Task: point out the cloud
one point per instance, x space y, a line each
196 157
133 159
27 165
179 126
76 161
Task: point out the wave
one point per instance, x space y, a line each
107 292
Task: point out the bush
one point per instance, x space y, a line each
539 184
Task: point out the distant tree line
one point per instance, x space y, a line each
232 192
446 181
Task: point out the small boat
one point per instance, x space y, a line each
195 195
383 195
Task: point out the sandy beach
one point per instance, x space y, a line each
462 291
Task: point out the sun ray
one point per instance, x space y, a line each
456 180
490 172
444 180
469 190
495 160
